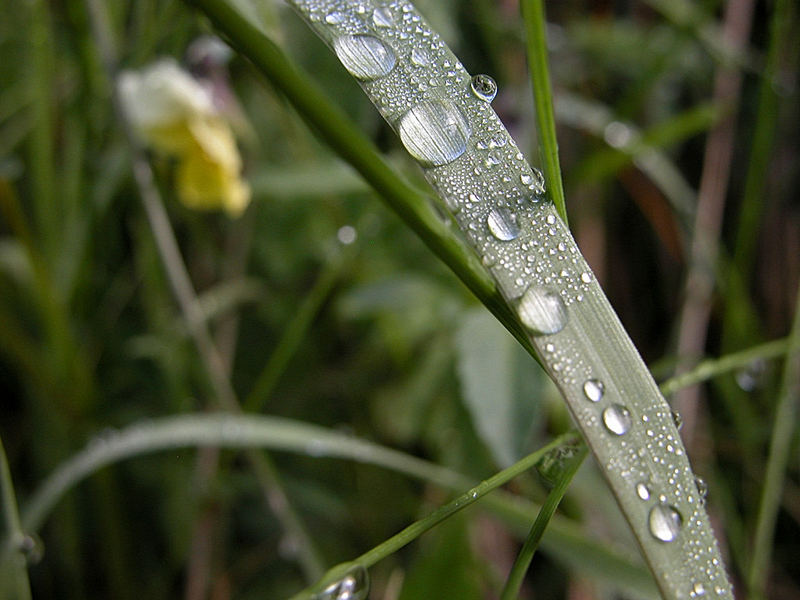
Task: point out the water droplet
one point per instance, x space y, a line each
552 465
702 488
503 224
364 56
643 491
617 419
677 419
698 590
594 389
382 17
353 585
751 376
335 18
347 234
420 57
586 277
665 522
543 312
484 87
31 547
617 134
434 132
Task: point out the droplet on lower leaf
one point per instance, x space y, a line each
364 56
31 547
542 311
353 585
435 132
617 419
484 87
665 522
502 224
594 389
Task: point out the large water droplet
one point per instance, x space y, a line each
365 56
354 585
552 465
420 57
484 87
502 224
543 312
594 389
335 18
698 589
617 419
434 132
665 522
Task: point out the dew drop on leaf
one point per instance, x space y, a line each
502 224
665 522
594 389
364 56
354 585
542 311
382 17
642 491
483 87
617 419
435 132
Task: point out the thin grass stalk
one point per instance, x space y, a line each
669 522
711 368
525 556
783 429
535 30
13 568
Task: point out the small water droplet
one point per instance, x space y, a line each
483 87
552 465
31 547
643 491
347 234
617 419
420 57
702 488
586 277
594 389
353 585
542 311
677 419
434 132
382 17
502 224
617 134
698 589
750 377
335 18
364 56
665 522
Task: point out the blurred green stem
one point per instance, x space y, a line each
523 560
535 25
13 570
708 369
780 446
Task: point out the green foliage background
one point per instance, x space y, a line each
396 350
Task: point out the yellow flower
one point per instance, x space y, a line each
175 115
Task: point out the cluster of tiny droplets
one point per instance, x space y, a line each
444 119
